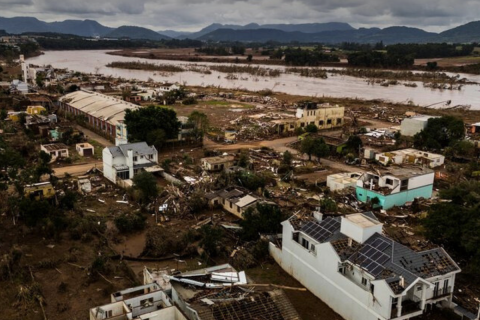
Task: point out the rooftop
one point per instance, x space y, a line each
54 146
406 171
362 220
219 159
138 148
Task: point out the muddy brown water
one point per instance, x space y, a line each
335 86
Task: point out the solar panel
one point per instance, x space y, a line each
321 231
371 258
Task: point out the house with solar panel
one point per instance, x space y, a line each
395 186
360 273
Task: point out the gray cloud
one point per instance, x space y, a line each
435 15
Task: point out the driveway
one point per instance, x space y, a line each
77 170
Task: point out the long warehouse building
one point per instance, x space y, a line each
102 112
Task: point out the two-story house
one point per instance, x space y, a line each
126 160
324 116
360 273
396 186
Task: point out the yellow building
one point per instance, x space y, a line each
33 110
324 116
39 191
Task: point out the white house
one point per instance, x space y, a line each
396 186
19 86
411 156
340 181
412 126
126 160
85 149
55 150
361 274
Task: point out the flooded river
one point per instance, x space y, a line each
334 86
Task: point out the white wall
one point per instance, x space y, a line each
319 273
421 181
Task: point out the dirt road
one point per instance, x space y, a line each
92 135
279 145
77 170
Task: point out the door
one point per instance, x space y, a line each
87 152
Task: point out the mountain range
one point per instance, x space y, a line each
332 32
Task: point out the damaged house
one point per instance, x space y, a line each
411 156
347 261
219 293
219 163
395 187
235 200
324 116
139 303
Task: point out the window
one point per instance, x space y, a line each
150 156
230 205
146 302
305 243
302 124
341 269
329 121
372 288
312 247
135 158
389 181
364 281
321 122
339 120
238 209
419 288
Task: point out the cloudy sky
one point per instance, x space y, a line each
191 15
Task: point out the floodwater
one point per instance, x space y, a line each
335 86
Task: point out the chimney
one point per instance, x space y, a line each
130 162
350 242
402 282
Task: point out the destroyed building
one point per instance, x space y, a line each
340 181
235 200
55 150
217 293
139 303
347 261
218 163
324 116
411 156
396 186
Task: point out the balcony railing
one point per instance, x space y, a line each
408 307
440 293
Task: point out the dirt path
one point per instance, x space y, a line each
92 135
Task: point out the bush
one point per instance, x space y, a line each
128 223
189 101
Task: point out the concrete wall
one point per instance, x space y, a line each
412 126
321 116
395 199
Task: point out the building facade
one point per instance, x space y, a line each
361 274
324 116
411 156
395 187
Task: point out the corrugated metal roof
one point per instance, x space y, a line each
98 105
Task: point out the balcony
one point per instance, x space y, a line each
441 293
408 308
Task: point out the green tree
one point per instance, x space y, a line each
141 122
287 158
354 143
320 149
249 58
440 133
455 223
311 128
128 223
146 183
244 159
264 218
211 238
200 123
251 180
307 147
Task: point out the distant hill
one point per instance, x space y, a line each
3 33
175 34
132 32
388 35
85 28
306 28
469 32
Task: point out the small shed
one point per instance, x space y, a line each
85 149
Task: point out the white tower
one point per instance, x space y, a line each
24 68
